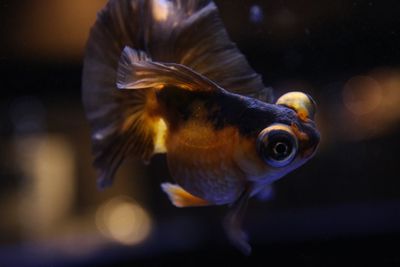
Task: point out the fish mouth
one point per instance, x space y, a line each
309 138
311 145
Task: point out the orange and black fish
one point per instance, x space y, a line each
163 77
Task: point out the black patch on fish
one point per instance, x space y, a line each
222 109
179 105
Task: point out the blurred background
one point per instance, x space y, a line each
341 207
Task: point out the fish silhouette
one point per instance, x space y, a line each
163 77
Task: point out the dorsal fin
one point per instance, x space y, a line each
137 71
192 34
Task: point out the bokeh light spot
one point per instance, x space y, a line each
362 95
123 220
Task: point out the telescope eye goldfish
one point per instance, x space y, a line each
164 77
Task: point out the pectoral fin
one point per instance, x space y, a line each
180 198
265 193
233 223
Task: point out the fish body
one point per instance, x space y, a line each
164 77
211 141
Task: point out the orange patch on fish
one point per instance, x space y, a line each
302 136
201 159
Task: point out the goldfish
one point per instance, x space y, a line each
164 77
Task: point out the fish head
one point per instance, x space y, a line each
290 140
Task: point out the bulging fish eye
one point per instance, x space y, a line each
277 145
302 103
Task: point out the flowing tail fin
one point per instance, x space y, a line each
124 126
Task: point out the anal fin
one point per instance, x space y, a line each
180 198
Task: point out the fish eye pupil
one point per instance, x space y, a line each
280 148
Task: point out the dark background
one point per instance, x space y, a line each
343 207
